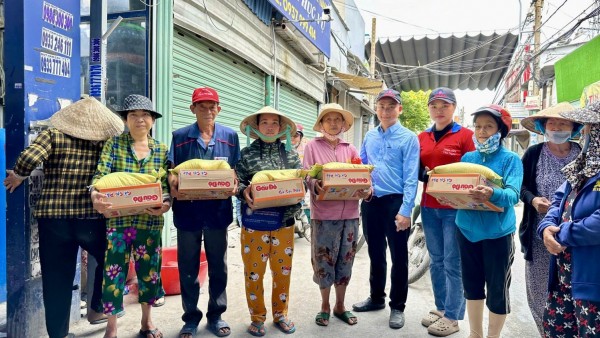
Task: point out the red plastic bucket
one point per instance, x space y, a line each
170 271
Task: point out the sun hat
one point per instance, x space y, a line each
137 102
249 125
442 93
534 122
88 119
392 94
205 94
502 116
333 107
589 114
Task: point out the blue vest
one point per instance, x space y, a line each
197 215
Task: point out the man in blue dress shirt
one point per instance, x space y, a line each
205 219
394 151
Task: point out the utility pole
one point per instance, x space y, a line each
373 41
537 24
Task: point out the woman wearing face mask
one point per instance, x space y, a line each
571 233
334 223
485 239
542 163
271 239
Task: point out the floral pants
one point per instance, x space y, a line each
333 246
147 256
567 317
258 247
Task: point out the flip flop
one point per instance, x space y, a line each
289 326
321 317
216 326
155 333
159 302
188 329
346 317
259 326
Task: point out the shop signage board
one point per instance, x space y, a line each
51 55
532 102
303 15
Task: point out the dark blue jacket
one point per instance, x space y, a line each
582 235
197 215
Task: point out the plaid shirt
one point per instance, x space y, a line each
118 156
69 164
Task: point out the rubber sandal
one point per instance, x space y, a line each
188 329
260 329
159 302
216 326
155 333
346 316
288 323
431 318
321 317
443 327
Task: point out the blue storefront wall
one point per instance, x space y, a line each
2 217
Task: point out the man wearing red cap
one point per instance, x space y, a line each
206 219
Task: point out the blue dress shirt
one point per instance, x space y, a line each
395 154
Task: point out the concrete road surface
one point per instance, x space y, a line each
305 303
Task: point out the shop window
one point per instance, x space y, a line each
116 6
125 60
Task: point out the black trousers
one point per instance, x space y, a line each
378 217
60 240
486 265
188 255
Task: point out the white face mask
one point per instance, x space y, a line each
557 137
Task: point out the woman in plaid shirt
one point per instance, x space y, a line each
133 152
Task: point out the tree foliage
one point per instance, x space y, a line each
415 115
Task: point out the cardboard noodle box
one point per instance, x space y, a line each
344 184
278 193
127 201
198 184
453 189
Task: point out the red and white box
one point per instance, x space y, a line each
278 193
453 190
198 184
344 184
127 201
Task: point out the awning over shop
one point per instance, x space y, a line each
361 83
467 62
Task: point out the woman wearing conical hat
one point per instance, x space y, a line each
134 152
571 234
69 152
334 223
542 164
272 241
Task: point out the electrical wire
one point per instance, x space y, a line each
592 14
213 23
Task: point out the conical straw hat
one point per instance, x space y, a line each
550 112
88 119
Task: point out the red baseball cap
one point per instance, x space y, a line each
502 115
205 94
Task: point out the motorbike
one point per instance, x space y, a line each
418 256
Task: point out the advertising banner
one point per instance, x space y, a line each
590 94
303 15
52 65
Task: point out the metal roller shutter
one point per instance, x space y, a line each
198 63
299 107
